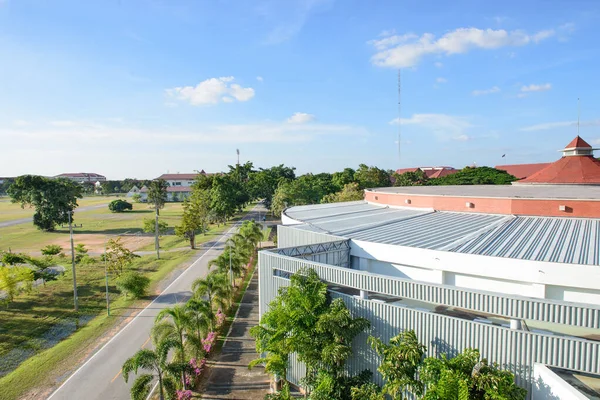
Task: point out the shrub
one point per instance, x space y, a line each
119 206
51 250
80 252
137 198
133 283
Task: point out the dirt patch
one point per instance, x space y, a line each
95 243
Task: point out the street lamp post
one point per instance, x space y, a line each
106 277
230 270
73 263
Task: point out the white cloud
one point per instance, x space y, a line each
438 64
562 124
64 123
441 80
462 138
19 122
536 88
401 51
443 125
512 54
212 91
287 18
259 78
494 89
300 118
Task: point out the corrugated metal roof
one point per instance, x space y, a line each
564 240
553 239
431 231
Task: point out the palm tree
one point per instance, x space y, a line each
215 287
202 320
172 324
252 232
229 259
155 361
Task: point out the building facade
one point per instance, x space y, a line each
82 177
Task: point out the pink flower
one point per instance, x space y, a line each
184 394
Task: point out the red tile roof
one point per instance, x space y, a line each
438 173
171 189
569 170
521 171
404 170
182 177
578 142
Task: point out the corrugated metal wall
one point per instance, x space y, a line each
290 237
513 350
575 314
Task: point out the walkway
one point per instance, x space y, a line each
229 376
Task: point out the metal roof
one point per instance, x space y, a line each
566 240
553 239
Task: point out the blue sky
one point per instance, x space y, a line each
136 88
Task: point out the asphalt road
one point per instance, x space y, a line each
24 220
99 377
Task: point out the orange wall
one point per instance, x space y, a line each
549 208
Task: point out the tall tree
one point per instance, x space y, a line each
475 176
202 321
173 323
410 178
117 256
371 177
53 199
157 193
350 192
196 212
341 179
224 196
215 287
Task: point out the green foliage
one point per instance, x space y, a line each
307 189
302 320
196 213
133 283
369 391
475 176
15 279
263 183
215 287
53 199
400 361
80 252
341 179
136 197
117 257
157 193
371 177
467 377
5 185
150 226
119 206
409 178
52 250
350 192
224 196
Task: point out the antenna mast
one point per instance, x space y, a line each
578 114
238 156
399 113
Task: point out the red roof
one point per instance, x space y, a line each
521 171
404 170
438 173
171 189
578 143
178 177
569 170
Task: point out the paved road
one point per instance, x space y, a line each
99 377
24 220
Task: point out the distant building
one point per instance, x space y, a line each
174 193
4 179
182 180
81 177
430 172
522 171
132 191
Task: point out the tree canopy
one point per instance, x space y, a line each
53 199
157 193
475 176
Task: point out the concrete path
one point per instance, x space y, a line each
228 375
99 378
24 220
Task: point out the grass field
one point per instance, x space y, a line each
10 211
96 226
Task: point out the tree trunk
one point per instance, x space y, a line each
162 393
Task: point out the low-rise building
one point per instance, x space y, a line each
82 177
430 172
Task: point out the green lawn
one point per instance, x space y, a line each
10 211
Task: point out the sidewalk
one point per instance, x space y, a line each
229 376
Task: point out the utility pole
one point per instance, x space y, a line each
156 244
73 263
106 277
230 271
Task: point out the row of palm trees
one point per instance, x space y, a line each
184 334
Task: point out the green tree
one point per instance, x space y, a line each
133 283
341 179
307 189
263 183
172 323
202 320
155 361
53 199
251 232
215 287
350 192
136 197
223 196
196 211
371 177
52 250
117 256
119 206
14 279
400 361
157 193
150 226
475 176
409 178
467 376
80 252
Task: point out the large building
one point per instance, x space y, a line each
180 186
430 172
82 177
512 270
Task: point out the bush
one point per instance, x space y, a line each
137 198
119 205
51 250
80 252
133 283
